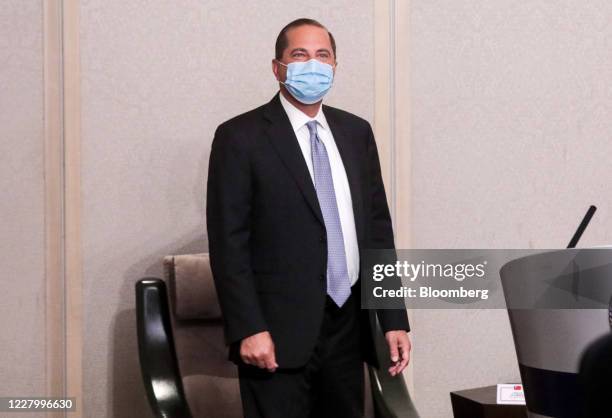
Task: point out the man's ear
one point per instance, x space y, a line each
276 69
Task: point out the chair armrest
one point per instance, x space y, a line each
390 394
157 354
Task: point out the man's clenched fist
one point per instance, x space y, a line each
258 350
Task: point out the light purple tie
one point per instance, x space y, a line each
338 283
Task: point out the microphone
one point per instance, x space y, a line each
585 221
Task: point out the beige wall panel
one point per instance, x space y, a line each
511 105
22 255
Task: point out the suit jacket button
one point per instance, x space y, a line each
322 276
323 238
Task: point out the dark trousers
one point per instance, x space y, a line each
331 384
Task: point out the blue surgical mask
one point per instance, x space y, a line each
308 81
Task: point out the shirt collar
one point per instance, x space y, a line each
298 118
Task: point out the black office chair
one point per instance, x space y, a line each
595 378
172 394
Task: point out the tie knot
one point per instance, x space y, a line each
312 127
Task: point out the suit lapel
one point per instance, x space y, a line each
350 159
283 138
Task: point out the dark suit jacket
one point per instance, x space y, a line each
266 233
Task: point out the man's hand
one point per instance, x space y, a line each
399 349
258 350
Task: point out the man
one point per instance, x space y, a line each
294 195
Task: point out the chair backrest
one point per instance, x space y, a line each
595 378
209 379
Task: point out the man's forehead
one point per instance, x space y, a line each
307 34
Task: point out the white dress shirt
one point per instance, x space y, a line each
298 121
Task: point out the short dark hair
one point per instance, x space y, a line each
282 41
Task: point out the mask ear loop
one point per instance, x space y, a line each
281 63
